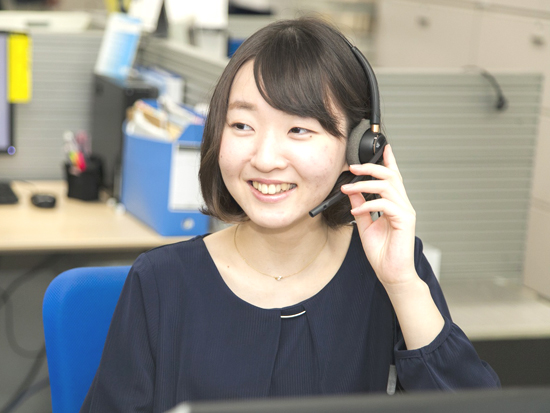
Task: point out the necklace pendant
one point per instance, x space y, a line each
279 278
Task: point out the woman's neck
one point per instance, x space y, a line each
277 254
281 252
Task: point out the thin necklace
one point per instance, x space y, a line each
280 277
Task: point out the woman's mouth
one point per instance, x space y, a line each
272 189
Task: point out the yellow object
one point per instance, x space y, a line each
19 68
114 5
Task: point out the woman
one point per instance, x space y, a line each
282 304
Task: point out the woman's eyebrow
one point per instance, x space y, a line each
241 104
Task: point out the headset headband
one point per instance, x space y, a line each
373 86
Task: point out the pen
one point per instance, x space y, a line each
75 151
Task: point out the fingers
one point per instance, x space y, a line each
356 201
387 171
387 190
389 159
399 217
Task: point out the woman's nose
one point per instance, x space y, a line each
269 153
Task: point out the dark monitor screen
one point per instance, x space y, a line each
520 400
6 115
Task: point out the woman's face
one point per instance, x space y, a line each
276 166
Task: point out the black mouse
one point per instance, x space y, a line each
43 200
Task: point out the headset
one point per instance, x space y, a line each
365 143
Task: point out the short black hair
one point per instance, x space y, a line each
302 67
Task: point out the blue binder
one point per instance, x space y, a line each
148 179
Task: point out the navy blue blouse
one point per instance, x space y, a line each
180 334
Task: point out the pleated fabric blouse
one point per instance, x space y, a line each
180 334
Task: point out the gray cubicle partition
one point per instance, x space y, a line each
467 166
200 72
62 67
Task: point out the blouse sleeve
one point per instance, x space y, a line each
125 378
450 361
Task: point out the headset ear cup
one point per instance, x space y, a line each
354 141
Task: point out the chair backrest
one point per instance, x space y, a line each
77 311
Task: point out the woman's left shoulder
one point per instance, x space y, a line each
172 258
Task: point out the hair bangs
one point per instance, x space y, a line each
289 75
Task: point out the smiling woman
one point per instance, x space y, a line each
264 150
282 303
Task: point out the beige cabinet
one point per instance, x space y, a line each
541 175
424 35
536 272
537 258
432 33
515 42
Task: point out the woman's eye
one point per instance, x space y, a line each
241 126
299 131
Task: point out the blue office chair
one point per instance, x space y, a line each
77 311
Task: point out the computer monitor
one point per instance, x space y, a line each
6 131
520 400
6 110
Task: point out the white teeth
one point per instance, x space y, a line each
272 189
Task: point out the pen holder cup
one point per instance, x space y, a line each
84 185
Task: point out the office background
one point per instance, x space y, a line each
486 179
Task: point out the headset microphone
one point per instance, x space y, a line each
365 143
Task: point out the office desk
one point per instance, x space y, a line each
37 244
497 309
73 225
509 325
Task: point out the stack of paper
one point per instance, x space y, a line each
165 122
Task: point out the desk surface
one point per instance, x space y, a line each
71 225
497 309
